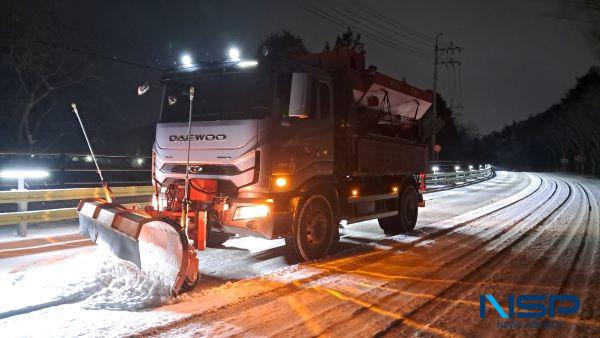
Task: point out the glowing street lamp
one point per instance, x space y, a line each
22 174
435 169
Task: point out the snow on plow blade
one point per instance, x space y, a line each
155 245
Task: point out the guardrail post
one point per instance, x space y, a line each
21 206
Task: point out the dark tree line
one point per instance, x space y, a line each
564 137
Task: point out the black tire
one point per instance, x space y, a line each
314 229
408 210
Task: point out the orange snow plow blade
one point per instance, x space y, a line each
156 245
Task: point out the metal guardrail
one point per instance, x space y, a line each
458 176
77 170
46 195
52 215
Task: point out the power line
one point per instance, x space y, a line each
383 33
338 22
413 38
382 40
403 27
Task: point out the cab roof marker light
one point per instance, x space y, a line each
186 60
233 54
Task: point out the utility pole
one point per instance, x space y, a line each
438 60
435 76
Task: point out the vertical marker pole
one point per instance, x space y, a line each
107 192
186 195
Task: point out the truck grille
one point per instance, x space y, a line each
206 169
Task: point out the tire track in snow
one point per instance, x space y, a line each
553 253
584 259
438 312
445 291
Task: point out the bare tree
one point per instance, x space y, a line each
44 56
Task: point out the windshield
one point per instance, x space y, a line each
224 96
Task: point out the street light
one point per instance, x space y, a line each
20 175
23 174
435 169
456 168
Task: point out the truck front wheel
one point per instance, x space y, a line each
314 229
408 204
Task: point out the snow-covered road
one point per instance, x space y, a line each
517 233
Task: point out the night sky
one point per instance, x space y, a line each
519 57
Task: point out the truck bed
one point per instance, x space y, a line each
383 155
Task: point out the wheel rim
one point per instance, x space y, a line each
315 228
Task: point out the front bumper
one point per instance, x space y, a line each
276 224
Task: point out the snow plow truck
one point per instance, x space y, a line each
284 147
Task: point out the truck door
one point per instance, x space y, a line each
304 139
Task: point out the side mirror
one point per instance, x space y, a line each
299 96
143 88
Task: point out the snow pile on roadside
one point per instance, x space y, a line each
125 287
97 278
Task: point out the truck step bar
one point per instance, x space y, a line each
371 216
370 198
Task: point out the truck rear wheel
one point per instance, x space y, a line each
408 204
314 230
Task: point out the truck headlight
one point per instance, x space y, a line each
251 211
